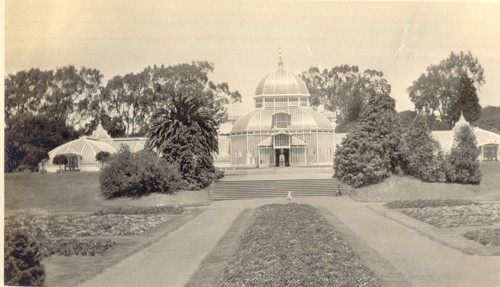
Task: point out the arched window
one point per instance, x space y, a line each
281 120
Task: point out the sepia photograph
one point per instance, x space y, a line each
251 143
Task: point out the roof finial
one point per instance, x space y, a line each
280 58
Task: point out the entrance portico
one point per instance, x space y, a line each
292 148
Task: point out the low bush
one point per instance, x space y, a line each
485 236
421 203
22 259
138 174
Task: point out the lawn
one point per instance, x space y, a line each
78 192
293 245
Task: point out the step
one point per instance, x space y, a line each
227 190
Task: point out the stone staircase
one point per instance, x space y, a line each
246 189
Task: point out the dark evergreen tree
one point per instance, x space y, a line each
462 164
467 101
421 153
372 150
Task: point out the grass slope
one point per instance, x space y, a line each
408 188
293 245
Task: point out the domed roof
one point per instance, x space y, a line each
301 119
281 83
85 147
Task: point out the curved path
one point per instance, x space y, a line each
422 261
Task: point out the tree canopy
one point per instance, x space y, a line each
29 138
344 90
490 119
443 88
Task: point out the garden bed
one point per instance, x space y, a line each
455 216
72 234
485 236
421 203
293 245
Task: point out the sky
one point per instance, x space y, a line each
242 39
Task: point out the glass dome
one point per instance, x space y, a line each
281 83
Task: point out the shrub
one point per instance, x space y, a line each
462 164
421 153
371 152
59 160
138 174
22 260
102 157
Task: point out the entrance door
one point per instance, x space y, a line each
286 156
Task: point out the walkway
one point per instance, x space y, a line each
422 261
171 260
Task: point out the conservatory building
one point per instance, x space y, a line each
282 130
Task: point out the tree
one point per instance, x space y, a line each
371 151
192 80
421 153
73 95
185 133
25 91
462 164
184 129
406 118
343 90
29 138
129 101
467 102
438 91
102 157
60 160
489 119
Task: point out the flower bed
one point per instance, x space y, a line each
465 215
421 203
74 246
142 210
292 245
112 222
485 236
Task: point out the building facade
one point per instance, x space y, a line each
282 130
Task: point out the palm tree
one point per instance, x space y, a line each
181 112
